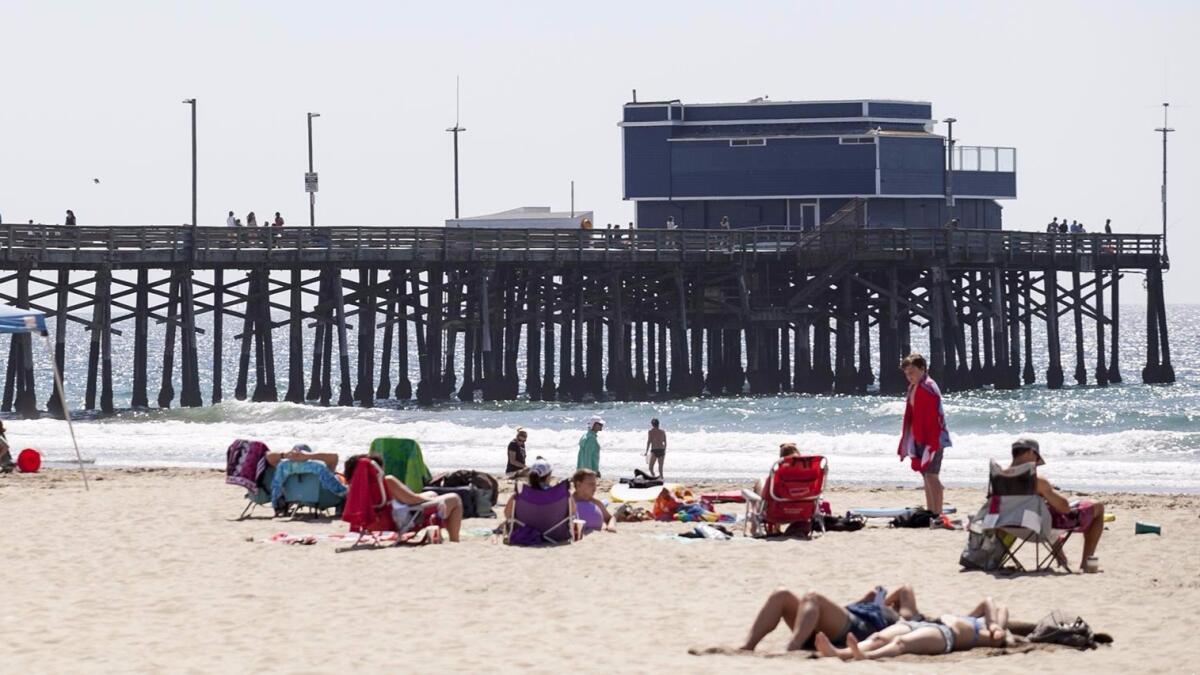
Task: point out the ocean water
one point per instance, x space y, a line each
1122 437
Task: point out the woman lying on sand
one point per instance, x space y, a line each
812 612
985 626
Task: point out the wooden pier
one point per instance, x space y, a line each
571 315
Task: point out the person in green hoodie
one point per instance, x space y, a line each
589 446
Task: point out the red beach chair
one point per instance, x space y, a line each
369 511
791 494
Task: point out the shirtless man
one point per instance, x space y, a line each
1085 516
656 447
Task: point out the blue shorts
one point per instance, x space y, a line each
867 618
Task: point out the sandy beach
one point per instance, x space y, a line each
149 572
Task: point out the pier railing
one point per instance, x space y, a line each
204 246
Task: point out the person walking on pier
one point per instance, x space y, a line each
589 446
1108 226
231 221
656 448
924 436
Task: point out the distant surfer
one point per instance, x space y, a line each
924 435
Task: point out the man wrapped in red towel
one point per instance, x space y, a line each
924 436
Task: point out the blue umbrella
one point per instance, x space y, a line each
14 320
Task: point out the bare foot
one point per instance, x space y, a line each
852 644
824 646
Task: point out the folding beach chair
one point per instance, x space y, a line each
261 494
369 511
791 494
402 458
1017 515
307 484
540 517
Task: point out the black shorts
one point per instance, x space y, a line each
935 464
658 452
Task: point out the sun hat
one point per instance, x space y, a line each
1028 443
540 468
596 419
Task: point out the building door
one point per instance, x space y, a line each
808 217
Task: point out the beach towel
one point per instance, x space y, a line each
244 463
402 458
366 508
924 431
287 468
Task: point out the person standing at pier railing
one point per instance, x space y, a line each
231 221
278 222
1052 226
70 222
1108 226
251 221
924 435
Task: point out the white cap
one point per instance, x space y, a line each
596 419
540 468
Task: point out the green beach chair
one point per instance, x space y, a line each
402 458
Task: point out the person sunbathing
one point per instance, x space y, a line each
785 450
812 612
449 507
541 477
591 511
985 626
300 452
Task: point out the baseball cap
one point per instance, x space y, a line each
1027 443
540 468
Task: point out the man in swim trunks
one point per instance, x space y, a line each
812 612
1084 515
985 626
656 447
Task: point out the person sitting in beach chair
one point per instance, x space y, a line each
808 614
302 478
790 497
590 511
1084 515
985 626
301 452
540 513
403 502
785 450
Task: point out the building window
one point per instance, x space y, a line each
746 142
856 140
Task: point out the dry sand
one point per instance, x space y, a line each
149 572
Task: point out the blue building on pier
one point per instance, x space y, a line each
806 165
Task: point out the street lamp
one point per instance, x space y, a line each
456 130
192 102
310 180
1164 130
950 162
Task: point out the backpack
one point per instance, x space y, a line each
914 518
481 491
848 523
1057 629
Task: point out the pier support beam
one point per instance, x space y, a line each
1114 362
1054 372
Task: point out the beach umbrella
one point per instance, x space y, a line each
14 320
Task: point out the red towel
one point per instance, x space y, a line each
366 510
923 423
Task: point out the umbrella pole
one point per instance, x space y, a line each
62 396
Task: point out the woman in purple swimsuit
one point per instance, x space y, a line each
591 511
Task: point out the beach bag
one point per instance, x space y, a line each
984 550
847 523
1057 628
914 518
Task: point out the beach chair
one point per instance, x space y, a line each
306 489
540 517
1016 514
261 494
370 513
402 458
791 495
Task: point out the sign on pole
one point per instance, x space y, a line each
310 181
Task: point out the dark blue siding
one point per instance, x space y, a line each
647 162
911 166
770 111
900 110
646 113
985 183
784 166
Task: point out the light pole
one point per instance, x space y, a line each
950 164
1164 130
192 102
456 130
311 187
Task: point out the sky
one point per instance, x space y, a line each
93 90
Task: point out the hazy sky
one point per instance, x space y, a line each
93 90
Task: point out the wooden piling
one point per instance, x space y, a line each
1054 372
295 391
1114 362
218 328
1077 302
55 405
166 392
